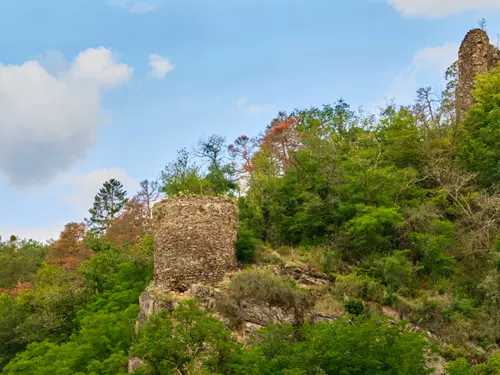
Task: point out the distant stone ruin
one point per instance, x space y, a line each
195 240
476 56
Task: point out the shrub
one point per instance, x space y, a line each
346 346
184 340
354 306
357 286
245 246
261 288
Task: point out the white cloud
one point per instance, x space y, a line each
257 109
160 66
241 102
142 8
49 121
440 8
98 64
86 186
428 66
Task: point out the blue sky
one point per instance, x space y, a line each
95 89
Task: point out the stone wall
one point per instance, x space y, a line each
195 240
476 56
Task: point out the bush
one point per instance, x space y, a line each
354 306
360 287
346 346
261 288
184 341
245 246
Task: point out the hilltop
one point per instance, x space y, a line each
334 242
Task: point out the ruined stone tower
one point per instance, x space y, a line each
476 56
195 241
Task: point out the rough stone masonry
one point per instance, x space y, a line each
476 56
195 240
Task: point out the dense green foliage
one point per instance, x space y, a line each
480 146
401 210
190 341
75 324
20 259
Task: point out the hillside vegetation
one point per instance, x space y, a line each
400 209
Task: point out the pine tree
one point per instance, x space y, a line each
108 203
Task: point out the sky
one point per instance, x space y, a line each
98 89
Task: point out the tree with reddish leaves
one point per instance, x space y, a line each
69 251
281 140
131 224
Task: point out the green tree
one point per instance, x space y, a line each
50 306
221 175
432 249
343 347
99 328
20 260
183 177
187 338
396 271
479 148
11 317
108 203
400 135
373 228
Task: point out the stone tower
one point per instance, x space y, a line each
195 240
476 56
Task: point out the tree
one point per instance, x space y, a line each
220 175
281 140
148 195
108 203
346 346
395 270
482 23
372 229
479 148
50 306
69 251
212 149
432 249
399 133
182 176
241 151
11 316
184 340
131 224
19 260
426 104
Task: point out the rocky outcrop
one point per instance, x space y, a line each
476 56
195 241
304 274
151 301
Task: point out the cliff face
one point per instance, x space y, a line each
476 56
